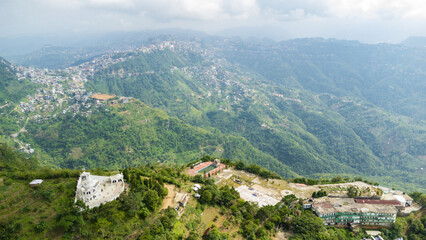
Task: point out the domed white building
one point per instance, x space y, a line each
94 190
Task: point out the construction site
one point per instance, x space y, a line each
372 199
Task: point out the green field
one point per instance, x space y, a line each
206 170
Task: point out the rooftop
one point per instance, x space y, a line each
36 181
332 205
377 201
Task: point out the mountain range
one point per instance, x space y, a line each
309 107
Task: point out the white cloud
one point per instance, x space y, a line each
404 9
295 17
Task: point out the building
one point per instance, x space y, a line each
95 190
36 182
349 211
207 169
404 199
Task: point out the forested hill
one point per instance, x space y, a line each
386 75
302 107
132 134
12 89
281 104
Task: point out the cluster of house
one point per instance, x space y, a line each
196 187
181 199
359 211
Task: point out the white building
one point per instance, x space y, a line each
36 182
94 190
404 199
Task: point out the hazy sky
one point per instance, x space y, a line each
364 20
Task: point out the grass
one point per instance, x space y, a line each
27 206
206 170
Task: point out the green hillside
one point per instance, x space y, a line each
388 76
296 107
311 133
12 89
49 211
132 134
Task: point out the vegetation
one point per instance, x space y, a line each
292 120
331 131
49 211
12 89
130 135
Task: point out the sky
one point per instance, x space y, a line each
369 21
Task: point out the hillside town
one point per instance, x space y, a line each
63 92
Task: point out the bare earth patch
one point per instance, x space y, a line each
169 200
76 153
101 96
282 235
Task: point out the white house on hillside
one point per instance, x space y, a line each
94 190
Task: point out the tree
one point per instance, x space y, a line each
151 200
353 191
198 179
307 223
215 234
102 225
337 179
248 228
133 203
240 165
169 218
206 196
288 199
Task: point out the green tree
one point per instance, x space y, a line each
151 200
307 223
206 196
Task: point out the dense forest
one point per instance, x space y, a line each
134 134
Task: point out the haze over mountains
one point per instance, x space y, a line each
312 107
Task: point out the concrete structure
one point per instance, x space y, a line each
181 199
404 199
36 182
95 190
344 211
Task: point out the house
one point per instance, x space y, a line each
36 182
95 190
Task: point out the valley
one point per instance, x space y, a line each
234 113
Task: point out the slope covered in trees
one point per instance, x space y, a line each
12 90
310 128
133 134
388 76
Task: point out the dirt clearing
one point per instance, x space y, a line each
169 200
101 96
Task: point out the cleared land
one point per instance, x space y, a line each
101 96
269 192
265 192
169 200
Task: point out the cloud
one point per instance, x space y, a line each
385 9
295 17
